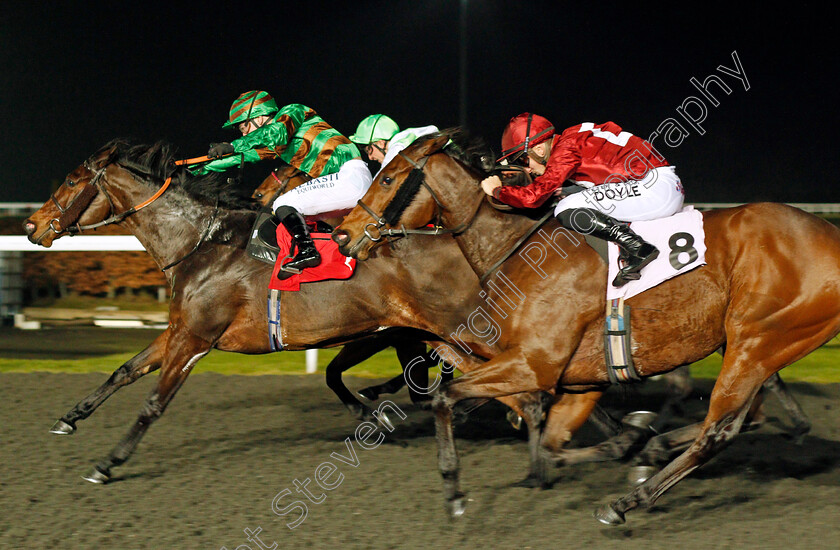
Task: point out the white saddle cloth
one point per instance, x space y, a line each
682 247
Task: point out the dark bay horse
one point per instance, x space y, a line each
770 293
196 229
283 179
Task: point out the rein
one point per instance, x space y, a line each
71 213
548 215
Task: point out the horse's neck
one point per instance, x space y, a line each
491 236
174 224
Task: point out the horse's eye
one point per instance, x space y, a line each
258 195
71 183
386 181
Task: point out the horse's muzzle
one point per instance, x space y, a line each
29 227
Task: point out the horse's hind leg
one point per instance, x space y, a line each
141 364
679 387
351 355
663 447
731 398
183 350
761 353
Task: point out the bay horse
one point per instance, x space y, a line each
770 292
678 383
284 178
196 230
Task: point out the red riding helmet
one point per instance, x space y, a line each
523 132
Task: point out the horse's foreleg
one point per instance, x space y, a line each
801 423
141 364
351 355
415 375
183 351
529 407
454 499
504 375
393 385
568 415
605 423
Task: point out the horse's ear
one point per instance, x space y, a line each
431 145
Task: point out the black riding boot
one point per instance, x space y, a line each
635 251
308 255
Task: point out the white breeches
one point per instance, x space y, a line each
338 191
658 195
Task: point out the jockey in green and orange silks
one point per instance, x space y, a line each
301 138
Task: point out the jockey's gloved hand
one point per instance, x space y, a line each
218 150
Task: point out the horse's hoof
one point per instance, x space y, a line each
97 476
456 506
607 515
385 421
799 432
369 393
640 474
514 419
62 428
639 419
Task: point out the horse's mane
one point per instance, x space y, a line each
158 161
471 150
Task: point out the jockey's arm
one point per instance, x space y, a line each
220 165
564 160
273 136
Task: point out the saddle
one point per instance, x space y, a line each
262 245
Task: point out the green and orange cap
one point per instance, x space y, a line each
250 105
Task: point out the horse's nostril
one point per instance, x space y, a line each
29 227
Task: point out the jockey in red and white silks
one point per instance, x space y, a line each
625 180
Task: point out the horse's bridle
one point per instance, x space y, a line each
72 212
376 229
283 184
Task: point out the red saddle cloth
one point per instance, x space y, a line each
334 265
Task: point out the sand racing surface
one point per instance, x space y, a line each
227 453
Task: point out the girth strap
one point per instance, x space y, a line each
617 352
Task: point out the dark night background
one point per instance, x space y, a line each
77 74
